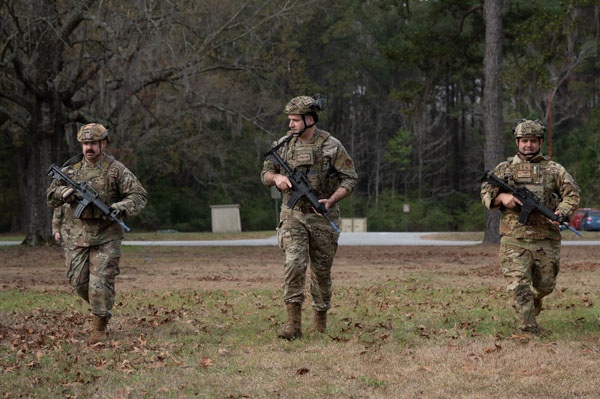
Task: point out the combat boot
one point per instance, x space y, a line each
99 333
293 328
320 321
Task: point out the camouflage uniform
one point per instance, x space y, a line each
60 214
57 218
530 254
92 243
305 236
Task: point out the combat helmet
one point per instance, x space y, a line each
92 132
304 105
529 128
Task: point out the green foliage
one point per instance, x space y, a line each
585 142
399 150
456 212
472 217
403 80
257 215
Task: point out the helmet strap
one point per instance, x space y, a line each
305 125
529 156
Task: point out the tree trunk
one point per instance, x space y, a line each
40 146
34 158
492 102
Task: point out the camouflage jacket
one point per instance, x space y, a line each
59 213
551 183
114 183
324 160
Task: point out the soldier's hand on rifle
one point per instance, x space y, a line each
559 220
66 194
508 200
118 211
327 203
282 182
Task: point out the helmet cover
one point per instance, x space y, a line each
305 105
92 132
529 128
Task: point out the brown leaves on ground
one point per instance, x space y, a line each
153 330
62 337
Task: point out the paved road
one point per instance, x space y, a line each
345 239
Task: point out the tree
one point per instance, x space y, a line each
192 93
124 64
547 71
32 96
492 101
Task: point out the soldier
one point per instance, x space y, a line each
93 242
530 254
305 236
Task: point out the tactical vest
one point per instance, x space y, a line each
536 177
102 177
309 159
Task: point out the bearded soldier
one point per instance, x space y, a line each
530 253
93 242
305 236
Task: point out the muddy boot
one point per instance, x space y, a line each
99 333
320 321
293 328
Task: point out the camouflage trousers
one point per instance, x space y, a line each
307 239
91 272
530 268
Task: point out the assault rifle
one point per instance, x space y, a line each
300 184
86 195
530 201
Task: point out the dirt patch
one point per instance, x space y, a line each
206 268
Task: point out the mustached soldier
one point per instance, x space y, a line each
305 236
530 253
92 243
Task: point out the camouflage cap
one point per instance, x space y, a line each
528 128
92 132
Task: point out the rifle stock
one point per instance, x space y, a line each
530 201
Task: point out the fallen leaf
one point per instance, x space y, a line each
205 362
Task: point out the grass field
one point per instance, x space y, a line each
383 342
421 322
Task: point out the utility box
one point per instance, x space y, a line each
354 225
226 218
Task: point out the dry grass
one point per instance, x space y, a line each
407 322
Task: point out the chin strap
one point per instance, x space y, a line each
530 156
305 125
